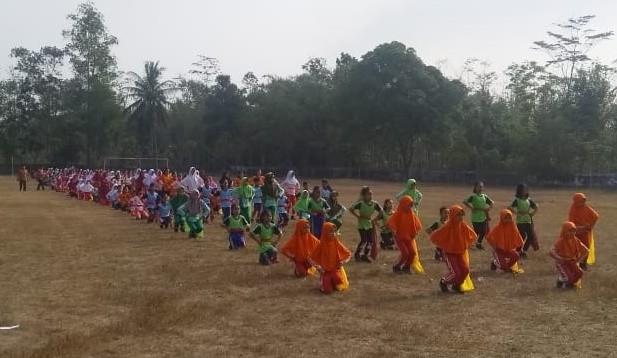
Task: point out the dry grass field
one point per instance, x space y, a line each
83 280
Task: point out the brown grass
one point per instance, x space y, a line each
85 281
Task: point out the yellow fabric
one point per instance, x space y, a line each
345 284
516 269
417 266
591 259
467 285
311 271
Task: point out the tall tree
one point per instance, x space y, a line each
93 86
150 95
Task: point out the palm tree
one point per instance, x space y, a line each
151 100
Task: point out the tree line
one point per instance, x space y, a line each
384 111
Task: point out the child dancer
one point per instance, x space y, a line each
194 212
291 186
125 198
206 196
454 239
364 210
411 189
236 225
387 240
568 252
151 198
137 207
329 257
585 218
298 248
443 218
266 235
405 226
302 206
336 211
325 189
271 191
244 193
283 217
525 209
480 204
227 197
257 199
164 212
318 207
176 202
505 239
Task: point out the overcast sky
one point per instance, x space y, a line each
278 36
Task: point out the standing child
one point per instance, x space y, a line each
364 210
257 199
266 235
585 218
206 197
291 185
271 191
411 189
318 207
405 226
151 198
568 252
164 212
227 196
454 239
480 204
299 247
505 239
336 211
329 257
244 193
525 209
443 218
302 206
236 225
194 212
325 189
387 240
176 202
283 217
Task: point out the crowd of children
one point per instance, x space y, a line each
260 207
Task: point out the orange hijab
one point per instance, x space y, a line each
568 248
330 252
582 214
505 236
404 222
456 235
302 243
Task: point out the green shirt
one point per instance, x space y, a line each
385 229
177 201
236 223
479 203
318 205
366 211
265 233
522 208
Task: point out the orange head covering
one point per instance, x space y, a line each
302 243
330 252
404 222
566 246
582 214
505 236
456 235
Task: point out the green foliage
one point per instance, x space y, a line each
385 111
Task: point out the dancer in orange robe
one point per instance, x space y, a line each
505 240
405 225
299 247
568 251
329 257
585 218
454 238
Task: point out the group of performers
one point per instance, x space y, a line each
260 207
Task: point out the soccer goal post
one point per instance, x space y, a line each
127 163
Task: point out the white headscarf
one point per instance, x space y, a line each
150 177
192 181
291 179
